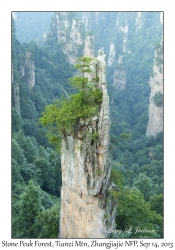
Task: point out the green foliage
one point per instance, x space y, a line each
135 168
29 111
29 206
31 219
144 184
96 79
27 144
16 175
156 203
134 212
125 136
30 127
117 177
16 77
94 136
18 153
129 175
106 216
99 173
158 152
83 64
41 137
47 200
158 99
63 116
79 82
47 222
42 166
114 194
16 120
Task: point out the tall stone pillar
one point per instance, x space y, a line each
87 208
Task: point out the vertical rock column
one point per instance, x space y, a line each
27 70
155 122
87 207
16 93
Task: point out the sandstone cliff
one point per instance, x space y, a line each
27 70
73 37
16 98
16 93
155 122
87 207
111 54
119 75
119 80
139 21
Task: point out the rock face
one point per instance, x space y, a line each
111 54
119 75
17 98
119 80
87 206
139 22
155 122
89 46
73 38
16 93
124 30
27 70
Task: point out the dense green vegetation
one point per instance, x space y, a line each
36 166
137 160
62 118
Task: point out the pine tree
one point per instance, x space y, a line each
47 222
29 206
62 117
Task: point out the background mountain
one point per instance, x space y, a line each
41 67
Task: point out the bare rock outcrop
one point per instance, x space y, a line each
155 122
27 70
111 54
17 98
16 92
87 206
73 38
119 80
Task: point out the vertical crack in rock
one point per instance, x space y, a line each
87 208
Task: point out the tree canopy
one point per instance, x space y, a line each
62 117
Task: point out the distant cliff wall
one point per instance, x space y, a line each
155 122
119 78
73 37
87 206
17 97
27 70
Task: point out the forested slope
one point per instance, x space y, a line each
33 159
